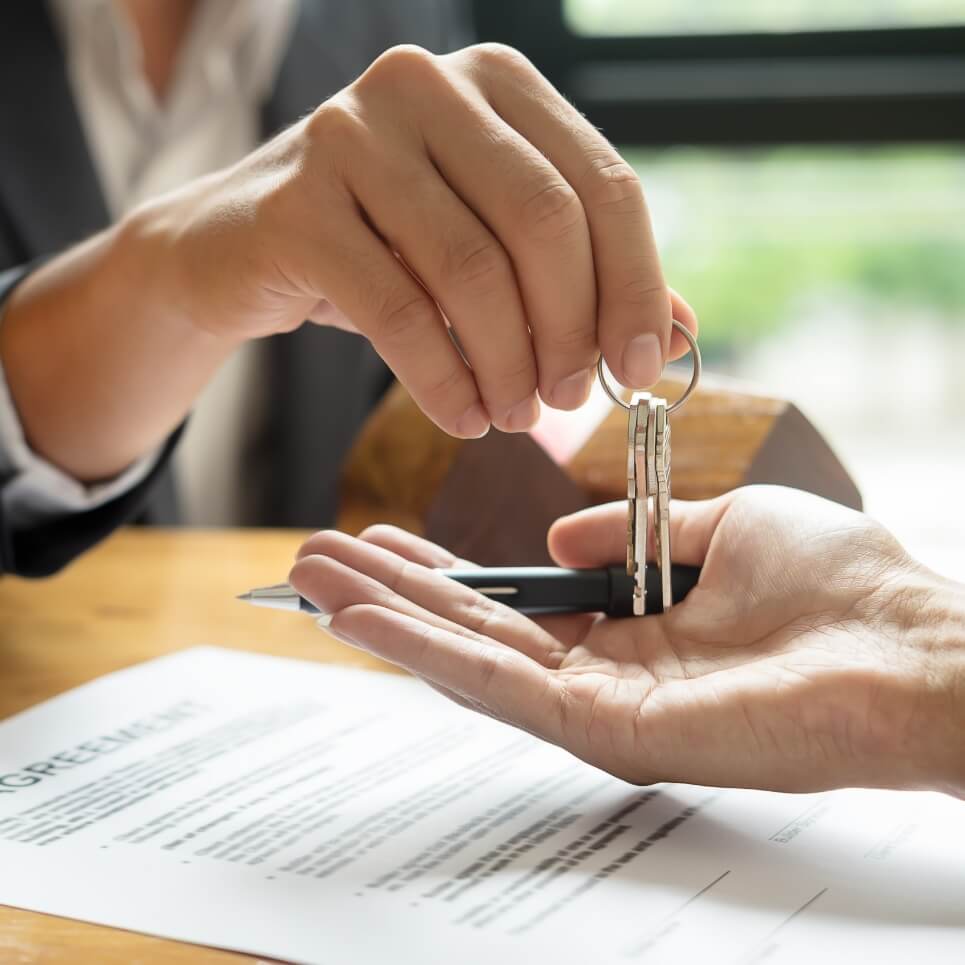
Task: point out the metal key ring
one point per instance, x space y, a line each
694 379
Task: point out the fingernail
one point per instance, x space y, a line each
522 415
474 422
643 360
324 621
571 392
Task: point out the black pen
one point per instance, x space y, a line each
532 589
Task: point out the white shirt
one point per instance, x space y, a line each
210 118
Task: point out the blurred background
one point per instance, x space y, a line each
805 167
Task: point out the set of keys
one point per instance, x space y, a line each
648 495
648 481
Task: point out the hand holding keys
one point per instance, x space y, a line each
648 480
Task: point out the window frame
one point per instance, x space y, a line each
901 85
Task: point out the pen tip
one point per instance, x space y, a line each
243 596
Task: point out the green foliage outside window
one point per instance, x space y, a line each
755 238
621 17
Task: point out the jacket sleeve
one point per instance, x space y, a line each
47 518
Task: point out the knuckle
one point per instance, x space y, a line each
553 212
403 321
336 133
611 183
477 612
400 65
397 578
642 290
425 642
501 57
333 122
492 663
567 708
475 263
515 376
579 338
443 387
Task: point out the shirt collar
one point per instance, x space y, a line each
236 44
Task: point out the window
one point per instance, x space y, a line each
805 168
632 17
764 238
796 73
835 277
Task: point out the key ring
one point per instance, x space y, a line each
694 379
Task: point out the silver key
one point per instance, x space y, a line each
648 495
638 492
631 483
660 466
648 478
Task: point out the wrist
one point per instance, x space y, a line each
949 651
146 262
927 614
101 363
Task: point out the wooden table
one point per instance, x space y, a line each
141 594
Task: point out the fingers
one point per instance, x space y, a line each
598 536
402 543
475 194
569 629
541 224
526 204
467 270
367 283
336 571
591 537
496 680
633 302
413 548
341 592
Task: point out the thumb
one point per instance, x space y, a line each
598 536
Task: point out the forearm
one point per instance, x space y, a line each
99 362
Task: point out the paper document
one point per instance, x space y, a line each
319 814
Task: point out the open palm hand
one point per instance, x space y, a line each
795 664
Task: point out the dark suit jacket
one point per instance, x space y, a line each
323 382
